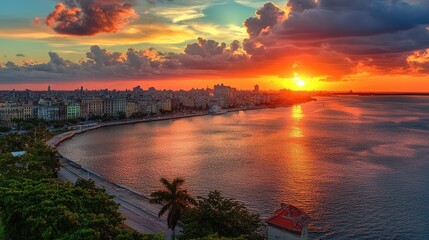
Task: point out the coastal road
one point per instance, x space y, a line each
139 213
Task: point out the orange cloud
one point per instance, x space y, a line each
419 57
90 17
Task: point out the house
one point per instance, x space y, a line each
288 223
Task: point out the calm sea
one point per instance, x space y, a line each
359 166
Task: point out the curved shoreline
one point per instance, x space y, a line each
140 215
132 203
56 140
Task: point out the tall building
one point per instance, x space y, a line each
114 106
131 108
225 95
91 107
137 89
256 88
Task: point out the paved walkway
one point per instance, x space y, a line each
139 213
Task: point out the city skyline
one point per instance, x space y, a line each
295 44
51 105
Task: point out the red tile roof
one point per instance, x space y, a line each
290 218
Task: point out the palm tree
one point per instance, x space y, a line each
174 199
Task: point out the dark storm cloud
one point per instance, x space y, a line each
383 31
354 18
301 5
266 17
89 17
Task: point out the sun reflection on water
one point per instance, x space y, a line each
297 115
297 112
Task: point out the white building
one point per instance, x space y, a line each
288 223
114 106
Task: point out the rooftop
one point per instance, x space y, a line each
290 218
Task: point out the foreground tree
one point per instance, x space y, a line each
39 162
174 199
51 209
222 217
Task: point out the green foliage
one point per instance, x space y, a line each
39 162
174 199
17 142
4 129
13 142
216 237
106 118
133 235
138 115
1 231
223 216
29 124
122 115
51 209
34 205
62 123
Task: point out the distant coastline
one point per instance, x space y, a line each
352 93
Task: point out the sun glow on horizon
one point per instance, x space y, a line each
298 80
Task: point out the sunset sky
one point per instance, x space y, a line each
359 45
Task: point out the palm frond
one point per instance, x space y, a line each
165 182
164 209
160 197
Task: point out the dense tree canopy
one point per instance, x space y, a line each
216 237
223 216
50 209
36 205
39 162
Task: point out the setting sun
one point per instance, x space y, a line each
299 82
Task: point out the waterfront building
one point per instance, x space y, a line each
48 112
152 108
225 95
119 106
131 108
187 101
11 111
202 102
73 111
288 223
91 107
166 105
